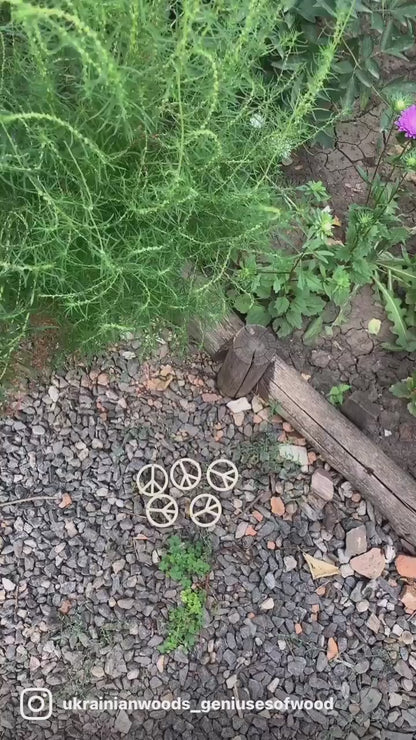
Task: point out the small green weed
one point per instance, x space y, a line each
185 560
337 393
406 389
186 621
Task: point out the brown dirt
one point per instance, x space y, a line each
352 355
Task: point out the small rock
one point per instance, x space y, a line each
122 723
239 419
363 606
346 570
296 666
270 580
403 669
53 393
71 529
268 604
125 603
319 358
34 663
322 485
408 597
239 405
97 671
256 404
406 566
290 563
272 686
362 666
373 623
395 700
241 530
356 541
231 681
38 430
8 585
370 698
118 565
371 564
277 505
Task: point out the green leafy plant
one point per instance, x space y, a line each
337 393
406 389
310 267
185 622
376 29
185 560
140 143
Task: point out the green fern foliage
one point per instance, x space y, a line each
139 144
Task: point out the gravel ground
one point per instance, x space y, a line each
84 606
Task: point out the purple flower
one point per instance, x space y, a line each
407 122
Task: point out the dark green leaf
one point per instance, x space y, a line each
400 390
243 303
280 306
329 7
344 67
351 92
364 77
405 11
294 317
264 287
314 328
387 34
373 68
400 44
258 315
377 22
366 46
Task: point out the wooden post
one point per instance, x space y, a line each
252 351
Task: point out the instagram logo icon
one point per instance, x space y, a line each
35 704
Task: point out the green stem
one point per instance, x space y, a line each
383 149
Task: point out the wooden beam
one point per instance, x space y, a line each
341 443
345 447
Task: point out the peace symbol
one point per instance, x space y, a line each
222 475
162 510
152 480
185 474
205 510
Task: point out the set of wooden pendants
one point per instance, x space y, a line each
185 474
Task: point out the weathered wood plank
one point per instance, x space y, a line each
340 443
344 447
249 356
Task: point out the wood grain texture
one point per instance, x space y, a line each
248 357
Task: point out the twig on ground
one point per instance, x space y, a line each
25 500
